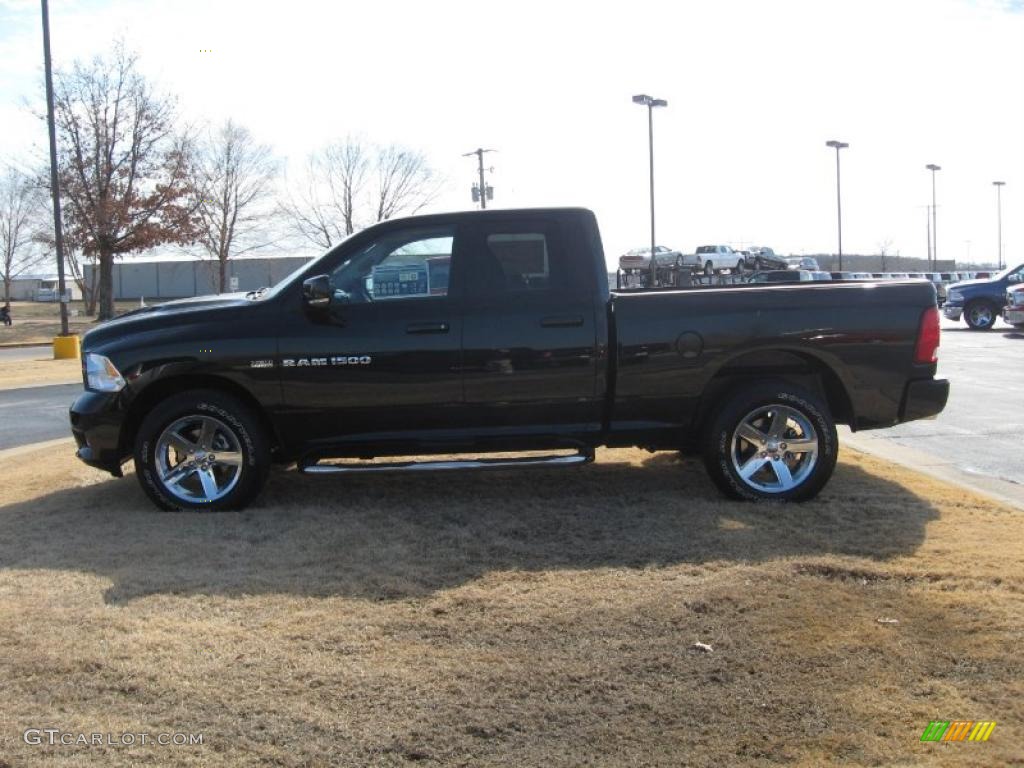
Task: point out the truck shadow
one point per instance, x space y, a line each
395 537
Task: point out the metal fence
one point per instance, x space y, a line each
180 279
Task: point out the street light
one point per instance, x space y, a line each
935 235
837 145
999 208
649 102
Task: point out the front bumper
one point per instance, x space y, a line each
953 313
924 399
1014 315
96 420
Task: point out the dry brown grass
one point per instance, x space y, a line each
37 322
39 373
519 619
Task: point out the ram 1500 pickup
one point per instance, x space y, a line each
495 332
980 301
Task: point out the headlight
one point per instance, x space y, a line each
102 375
954 295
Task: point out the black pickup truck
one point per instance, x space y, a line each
489 332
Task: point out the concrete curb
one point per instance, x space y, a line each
24 344
1001 490
20 450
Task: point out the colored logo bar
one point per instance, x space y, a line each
958 730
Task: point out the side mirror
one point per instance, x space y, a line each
316 292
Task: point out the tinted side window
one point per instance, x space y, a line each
408 264
523 258
518 258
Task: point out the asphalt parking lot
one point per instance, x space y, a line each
979 431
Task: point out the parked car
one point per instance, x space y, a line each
764 258
781 276
1013 312
361 354
979 302
640 258
935 279
715 258
803 262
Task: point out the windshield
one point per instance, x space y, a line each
288 279
1008 271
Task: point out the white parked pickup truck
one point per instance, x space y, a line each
714 258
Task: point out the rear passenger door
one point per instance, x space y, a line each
530 347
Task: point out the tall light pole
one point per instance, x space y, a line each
649 102
837 145
999 214
935 235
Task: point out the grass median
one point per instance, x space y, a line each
37 322
511 618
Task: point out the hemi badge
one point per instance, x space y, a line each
261 363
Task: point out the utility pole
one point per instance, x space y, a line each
58 234
483 193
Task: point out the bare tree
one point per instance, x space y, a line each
324 209
233 184
405 182
124 168
74 262
335 198
21 203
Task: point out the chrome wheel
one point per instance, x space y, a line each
198 459
774 448
980 316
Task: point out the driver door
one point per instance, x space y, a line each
383 362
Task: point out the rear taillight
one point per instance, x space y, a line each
927 350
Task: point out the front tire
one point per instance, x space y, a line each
201 449
980 316
771 441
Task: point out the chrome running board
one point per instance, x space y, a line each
583 457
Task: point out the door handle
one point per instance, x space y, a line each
427 328
562 321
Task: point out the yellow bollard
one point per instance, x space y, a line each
66 348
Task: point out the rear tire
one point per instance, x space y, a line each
709 269
739 267
201 449
980 315
771 441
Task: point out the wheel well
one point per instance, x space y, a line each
164 388
801 369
